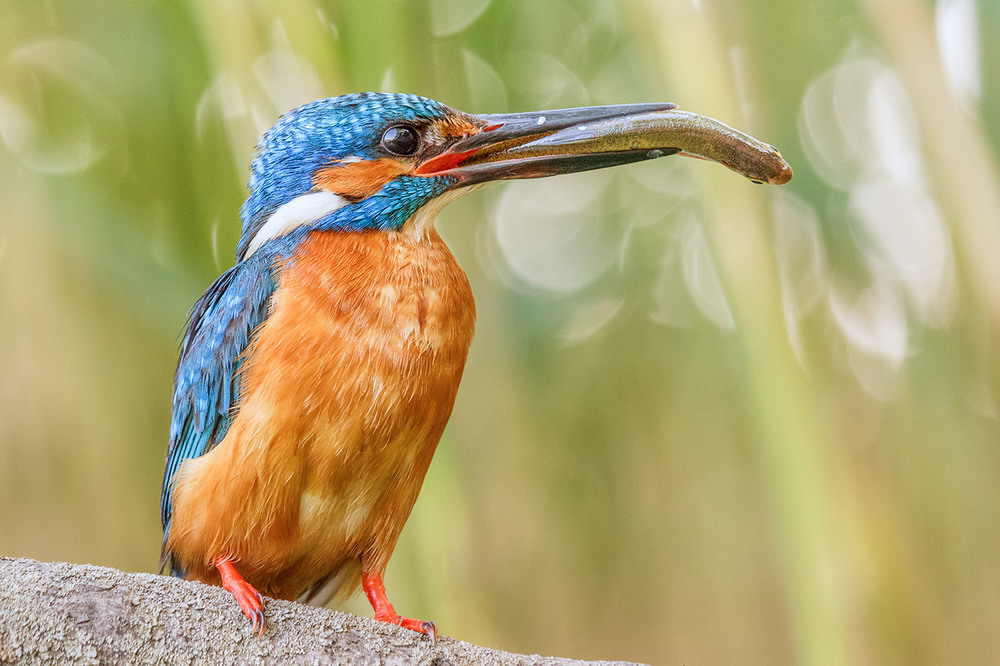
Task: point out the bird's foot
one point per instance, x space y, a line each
384 612
246 595
422 626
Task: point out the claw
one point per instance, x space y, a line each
246 595
384 612
430 629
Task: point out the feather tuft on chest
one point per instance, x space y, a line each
389 293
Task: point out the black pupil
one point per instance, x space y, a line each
400 140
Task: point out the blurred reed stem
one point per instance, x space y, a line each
962 165
792 449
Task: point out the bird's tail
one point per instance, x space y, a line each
339 584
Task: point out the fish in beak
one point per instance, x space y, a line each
547 143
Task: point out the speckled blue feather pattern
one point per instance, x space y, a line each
318 133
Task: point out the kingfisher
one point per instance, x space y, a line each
317 374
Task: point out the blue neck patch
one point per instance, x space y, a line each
390 207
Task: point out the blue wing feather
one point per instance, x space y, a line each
206 386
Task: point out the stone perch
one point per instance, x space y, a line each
82 614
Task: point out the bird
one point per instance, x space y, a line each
316 375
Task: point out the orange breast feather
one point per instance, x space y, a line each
345 393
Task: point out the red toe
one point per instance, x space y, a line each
246 595
423 626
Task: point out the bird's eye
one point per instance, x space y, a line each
400 140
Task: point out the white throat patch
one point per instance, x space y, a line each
303 209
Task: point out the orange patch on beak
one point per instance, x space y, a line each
440 163
359 180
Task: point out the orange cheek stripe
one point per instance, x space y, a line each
359 180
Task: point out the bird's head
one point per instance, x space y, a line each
371 161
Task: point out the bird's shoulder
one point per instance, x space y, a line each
206 389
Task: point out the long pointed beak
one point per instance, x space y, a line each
546 143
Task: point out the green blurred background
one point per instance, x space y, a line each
703 421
